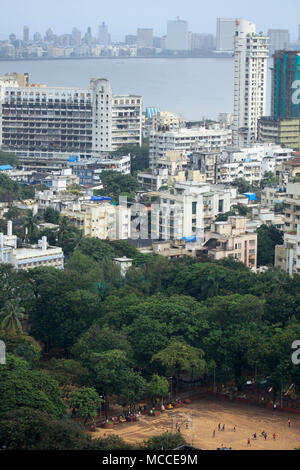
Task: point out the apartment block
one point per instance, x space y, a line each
186 213
198 139
100 219
250 82
41 122
291 207
285 132
231 240
126 120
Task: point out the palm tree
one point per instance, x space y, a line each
12 313
30 225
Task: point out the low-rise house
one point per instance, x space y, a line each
29 256
231 240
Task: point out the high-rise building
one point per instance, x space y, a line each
37 37
130 39
279 39
144 37
202 41
225 34
76 37
177 35
283 126
26 34
250 82
285 85
41 122
103 35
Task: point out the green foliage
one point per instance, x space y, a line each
22 387
30 429
243 186
165 441
157 388
7 158
85 403
8 189
11 315
267 238
23 346
117 184
179 357
139 155
51 216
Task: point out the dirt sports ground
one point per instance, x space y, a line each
199 419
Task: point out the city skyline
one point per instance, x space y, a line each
33 14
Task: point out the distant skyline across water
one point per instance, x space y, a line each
192 88
125 17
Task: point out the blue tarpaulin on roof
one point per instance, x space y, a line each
5 167
189 239
100 198
250 196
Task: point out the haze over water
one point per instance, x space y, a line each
193 88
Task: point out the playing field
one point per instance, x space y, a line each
198 420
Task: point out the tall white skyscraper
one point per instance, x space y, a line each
177 35
225 34
250 82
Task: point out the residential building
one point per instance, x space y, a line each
25 34
291 207
177 35
170 169
250 163
285 102
58 200
206 163
230 239
126 120
187 140
264 216
272 196
203 41
144 37
284 132
225 35
287 256
156 120
288 170
89 170
279 39
187 210
250 82
100 219
42 122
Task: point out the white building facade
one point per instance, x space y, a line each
187 140
250 82
42 122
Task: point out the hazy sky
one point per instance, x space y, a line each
124 16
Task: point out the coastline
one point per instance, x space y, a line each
36 59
